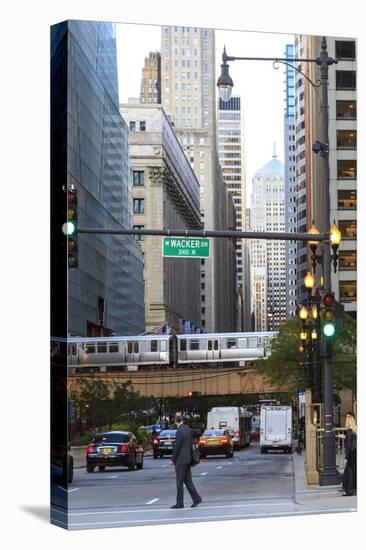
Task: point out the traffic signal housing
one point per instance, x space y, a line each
328 316
70 228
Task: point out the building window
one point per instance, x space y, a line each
345 49
138 206
347 260
138 178
346 110
346 139
347 291
348 229
139 237
142 126
346 169
347 199
132 126
345 80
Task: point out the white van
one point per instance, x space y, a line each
276 428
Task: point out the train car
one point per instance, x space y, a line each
223 347
122 351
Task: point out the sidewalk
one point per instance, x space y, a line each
314 496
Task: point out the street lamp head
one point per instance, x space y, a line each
225 83
335 236
303 313
314 311
303 335
313 231
314 334
309 281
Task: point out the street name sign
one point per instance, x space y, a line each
186 247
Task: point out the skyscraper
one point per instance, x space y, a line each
231 159
290 184
188 97
150 89
268 256
90 154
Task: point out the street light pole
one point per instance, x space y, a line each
329 475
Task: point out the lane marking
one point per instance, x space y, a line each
152 501
218 467
200 518
204 474
111 477
68 490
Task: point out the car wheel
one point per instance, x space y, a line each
263 451
132 464
101 468
155 457
140 465
90 469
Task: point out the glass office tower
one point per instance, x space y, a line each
89 142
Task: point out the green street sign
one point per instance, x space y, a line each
186 247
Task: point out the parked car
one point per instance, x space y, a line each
216 442
163 443
114 449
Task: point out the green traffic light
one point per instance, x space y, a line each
329 330
69 228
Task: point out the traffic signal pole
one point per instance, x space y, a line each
329 475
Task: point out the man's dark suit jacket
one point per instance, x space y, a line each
182 451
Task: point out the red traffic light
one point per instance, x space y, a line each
328 299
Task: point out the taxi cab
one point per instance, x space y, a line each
216 442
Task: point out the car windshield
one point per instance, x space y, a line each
167 433
214 432
117 437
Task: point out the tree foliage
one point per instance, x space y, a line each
286 367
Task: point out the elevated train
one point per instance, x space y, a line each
116 352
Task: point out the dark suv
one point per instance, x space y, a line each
163 443
114 449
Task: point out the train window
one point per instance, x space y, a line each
253 342
154 345
113 348
242 343
69 350
129 347
209 345
163 345
231 343
102 347
136 347
194 345
216 345
74 349
90 348
183 345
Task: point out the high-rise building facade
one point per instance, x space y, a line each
230 126
268 265
105 292
150 89
290 184
188 90
165 195
342 98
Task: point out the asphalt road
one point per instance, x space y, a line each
248 485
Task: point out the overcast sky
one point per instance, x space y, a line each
259 84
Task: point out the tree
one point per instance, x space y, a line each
286 367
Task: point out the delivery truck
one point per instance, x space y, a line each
234 419
276 428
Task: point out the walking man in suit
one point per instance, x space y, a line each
181 458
